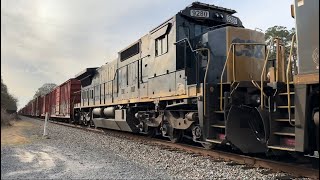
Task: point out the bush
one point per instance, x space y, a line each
6 119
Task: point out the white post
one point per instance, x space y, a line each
45 124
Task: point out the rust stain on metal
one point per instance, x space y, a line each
306 78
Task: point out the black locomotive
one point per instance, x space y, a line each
202 75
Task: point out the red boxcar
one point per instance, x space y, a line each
45 105
63 98
29 109
33 107
58 103
52 104
39 101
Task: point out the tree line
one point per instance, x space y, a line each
8 101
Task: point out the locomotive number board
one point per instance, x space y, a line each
199 13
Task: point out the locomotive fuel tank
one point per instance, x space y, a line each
97 111
109 112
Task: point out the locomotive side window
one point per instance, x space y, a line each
161 44
184 32
198 30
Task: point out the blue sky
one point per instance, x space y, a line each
49 41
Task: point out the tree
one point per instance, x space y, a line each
285 36
8 102
44 89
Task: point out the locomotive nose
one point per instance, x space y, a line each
247 128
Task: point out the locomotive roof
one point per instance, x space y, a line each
85 73
212 7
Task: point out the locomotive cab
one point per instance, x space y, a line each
225 62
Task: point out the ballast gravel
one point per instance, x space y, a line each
71 153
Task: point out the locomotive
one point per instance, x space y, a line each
202 75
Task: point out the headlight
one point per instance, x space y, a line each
258 100
255 99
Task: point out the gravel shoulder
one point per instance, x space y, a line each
71 153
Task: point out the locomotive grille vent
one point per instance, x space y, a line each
131 51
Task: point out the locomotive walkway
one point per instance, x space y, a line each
77 154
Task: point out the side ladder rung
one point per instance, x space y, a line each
218 126
217 141
225 83
284 148
285 107
291 93
284 120
284 134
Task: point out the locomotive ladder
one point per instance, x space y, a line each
282 135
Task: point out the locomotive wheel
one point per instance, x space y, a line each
176 136
70 121
152 131
91 123
84 122
208 145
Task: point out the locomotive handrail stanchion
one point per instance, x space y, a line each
262 79
232 46
262 74
221 77
205 79
277 58
233 64
287 79
205 76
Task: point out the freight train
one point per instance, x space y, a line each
202 75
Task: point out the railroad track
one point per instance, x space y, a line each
295 169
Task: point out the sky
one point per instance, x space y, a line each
50 41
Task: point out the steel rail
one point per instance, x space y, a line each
293 169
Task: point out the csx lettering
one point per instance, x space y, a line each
248 50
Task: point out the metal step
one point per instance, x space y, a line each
283 120
223 97
216 141
224 83
284 134
285 93
284 148
218 126
285 107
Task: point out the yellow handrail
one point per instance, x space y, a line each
232 45
287 79
277 59
262 77
205 78
262 74
233 65
221 77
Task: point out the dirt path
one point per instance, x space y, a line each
66 154
15 134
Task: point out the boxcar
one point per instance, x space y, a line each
63 98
